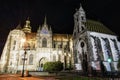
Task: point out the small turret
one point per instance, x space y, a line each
81 14
50 30
39 29
27 27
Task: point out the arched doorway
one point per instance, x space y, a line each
42 61
84 59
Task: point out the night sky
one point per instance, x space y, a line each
59 14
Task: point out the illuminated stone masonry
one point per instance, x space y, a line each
41 47
94 44
90 45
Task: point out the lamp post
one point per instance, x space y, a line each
23 41
24 62
109 61
64 61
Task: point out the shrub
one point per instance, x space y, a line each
53 66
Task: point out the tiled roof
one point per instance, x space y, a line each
98 27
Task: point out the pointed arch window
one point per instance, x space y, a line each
82 28
44 42
54 58
82 17
14 43
21 60
31 59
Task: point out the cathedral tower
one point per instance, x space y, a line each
80 40
93 44
10 54
79 21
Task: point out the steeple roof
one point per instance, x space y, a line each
81 8
45 20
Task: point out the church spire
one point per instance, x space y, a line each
50 28
39 28
81 8
18 26
45 20
79 20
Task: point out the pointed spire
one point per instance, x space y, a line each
81 9
50 28
80 5
45 21
18 26
39 27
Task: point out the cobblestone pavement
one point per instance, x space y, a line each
18 77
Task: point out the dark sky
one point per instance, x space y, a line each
59 14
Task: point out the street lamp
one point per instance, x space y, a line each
24 63
109 61
23 41
65 61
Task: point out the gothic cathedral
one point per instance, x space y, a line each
94 44
40 47
90 45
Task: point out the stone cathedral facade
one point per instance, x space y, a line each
40 47
94 44
90 45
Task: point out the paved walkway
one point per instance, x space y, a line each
18 77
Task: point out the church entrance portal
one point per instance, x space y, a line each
84 58
42 61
